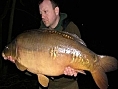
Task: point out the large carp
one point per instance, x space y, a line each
48 52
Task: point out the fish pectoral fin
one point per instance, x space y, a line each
43 80
20 66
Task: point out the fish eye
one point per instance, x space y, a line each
6 47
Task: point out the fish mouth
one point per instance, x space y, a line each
3 55
8 58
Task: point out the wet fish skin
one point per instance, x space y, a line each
48 52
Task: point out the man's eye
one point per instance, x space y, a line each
45 11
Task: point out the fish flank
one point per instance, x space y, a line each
53 52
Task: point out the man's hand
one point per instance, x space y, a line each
70 71
11 59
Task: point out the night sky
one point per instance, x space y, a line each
96 20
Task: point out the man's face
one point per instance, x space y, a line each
48 13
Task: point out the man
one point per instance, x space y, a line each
52 18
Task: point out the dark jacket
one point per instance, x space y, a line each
71 27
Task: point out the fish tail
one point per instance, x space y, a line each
100 78
108 63
105 64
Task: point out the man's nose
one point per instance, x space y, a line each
42 15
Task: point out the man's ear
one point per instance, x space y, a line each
57 10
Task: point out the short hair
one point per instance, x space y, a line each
54 4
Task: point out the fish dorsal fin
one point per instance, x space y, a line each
77 38
43 80
66 35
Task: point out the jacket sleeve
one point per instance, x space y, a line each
72 28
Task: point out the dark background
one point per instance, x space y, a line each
96 20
